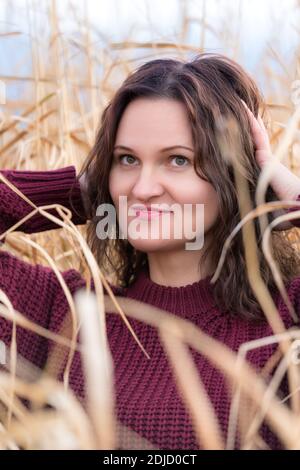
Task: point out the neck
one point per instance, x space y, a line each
176 268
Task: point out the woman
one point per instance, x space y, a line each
174 105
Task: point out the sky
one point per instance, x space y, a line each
252 25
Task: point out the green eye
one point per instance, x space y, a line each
180 160
130 160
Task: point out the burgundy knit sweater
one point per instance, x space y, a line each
147 400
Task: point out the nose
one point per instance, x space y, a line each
147 185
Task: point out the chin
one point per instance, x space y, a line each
149 246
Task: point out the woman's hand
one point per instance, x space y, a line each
284 182
263 151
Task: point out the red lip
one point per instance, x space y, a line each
152 210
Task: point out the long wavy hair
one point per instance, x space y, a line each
209 85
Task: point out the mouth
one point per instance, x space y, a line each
150 213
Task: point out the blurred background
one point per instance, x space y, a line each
62 61
263 35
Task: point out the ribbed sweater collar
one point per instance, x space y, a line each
187 301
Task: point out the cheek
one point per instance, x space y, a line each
117 185
202 193
211 207
197 191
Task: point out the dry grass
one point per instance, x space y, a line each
54 126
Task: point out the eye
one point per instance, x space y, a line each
180 160
130 160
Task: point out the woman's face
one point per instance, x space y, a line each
148 174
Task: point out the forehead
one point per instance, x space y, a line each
158 119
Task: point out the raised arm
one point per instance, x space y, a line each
42 188
35 292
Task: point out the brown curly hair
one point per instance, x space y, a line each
209 85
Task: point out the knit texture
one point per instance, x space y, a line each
147 398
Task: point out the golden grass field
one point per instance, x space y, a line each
53 125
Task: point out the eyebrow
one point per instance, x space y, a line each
162 150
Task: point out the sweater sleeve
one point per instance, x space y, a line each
36 293
42 188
